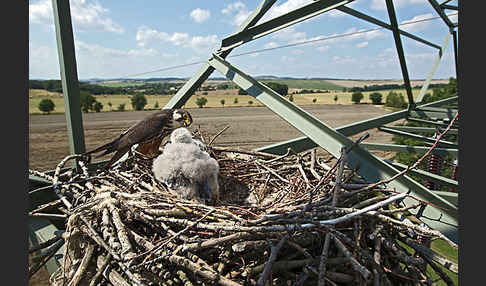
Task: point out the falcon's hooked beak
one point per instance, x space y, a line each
187 119
183 117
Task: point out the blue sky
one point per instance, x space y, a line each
125 38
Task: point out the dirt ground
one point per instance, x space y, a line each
249 127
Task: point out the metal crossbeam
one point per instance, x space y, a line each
427 175
401 55
380 23
443 143
441 13
435 64
280 22
440 124
421 129
409 149
442 217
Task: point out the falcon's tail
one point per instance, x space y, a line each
109 148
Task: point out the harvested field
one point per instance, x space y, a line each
249 128
362 83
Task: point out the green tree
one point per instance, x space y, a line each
394 99
87 100
335 98
201 101
291 98
46 105
121 107
376 97
356 97
236 100
250 102
97 106
156 105
138 101
222 101
282 89
110 104
314 100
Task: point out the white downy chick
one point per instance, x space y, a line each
186 169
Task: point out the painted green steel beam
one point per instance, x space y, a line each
435 64
441 13
189 87
418 120
451 197
401 55
40 230
442 218
421 129
302 144
450 7
380 23
409 149
427 175
454 38
69 76
298 15
432 114
442 143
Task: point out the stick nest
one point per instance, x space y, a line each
294 219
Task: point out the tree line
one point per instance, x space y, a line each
96 89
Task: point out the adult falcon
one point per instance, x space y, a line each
148 133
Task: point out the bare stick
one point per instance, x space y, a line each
101 269
268 266
356 265
82 267
216 136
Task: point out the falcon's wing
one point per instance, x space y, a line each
146 129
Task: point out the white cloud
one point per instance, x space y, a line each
290 35
238 11
199 15
286 7
85 16
361 45
96 50
323 49
344 60
146 35
381 5
416 27
270 45
287 59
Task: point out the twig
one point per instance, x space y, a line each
356 265
268 266
82 267
101 269
216 136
